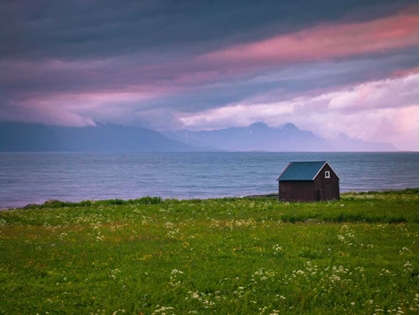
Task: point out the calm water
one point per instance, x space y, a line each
36 177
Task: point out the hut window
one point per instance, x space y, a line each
327 174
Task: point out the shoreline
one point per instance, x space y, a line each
55 203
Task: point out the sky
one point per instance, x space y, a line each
337 68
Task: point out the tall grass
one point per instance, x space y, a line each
358 255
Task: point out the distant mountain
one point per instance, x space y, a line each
116 138
37 137
256 137
260 137
16 137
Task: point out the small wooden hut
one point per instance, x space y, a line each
308 181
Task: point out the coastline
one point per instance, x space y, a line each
55 203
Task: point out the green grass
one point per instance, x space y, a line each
358 255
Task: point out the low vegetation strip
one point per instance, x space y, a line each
357 255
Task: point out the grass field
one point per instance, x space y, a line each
358 255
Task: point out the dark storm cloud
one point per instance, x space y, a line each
82 29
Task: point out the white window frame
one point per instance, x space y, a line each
327 174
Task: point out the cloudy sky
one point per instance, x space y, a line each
337 68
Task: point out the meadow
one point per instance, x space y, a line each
357 255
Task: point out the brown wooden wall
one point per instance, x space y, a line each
330 187
297 191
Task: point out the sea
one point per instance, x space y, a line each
36 177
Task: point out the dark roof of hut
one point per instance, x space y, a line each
301 170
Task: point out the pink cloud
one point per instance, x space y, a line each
327 42
404 72
383 111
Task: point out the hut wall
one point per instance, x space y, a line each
297 191
327 188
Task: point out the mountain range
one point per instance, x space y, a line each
260 137
20 137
